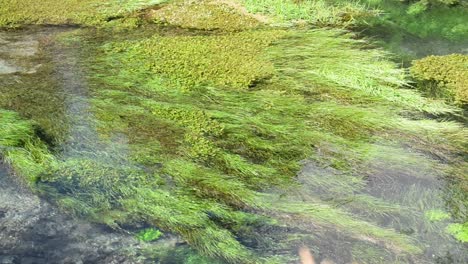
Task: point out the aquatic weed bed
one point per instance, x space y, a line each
245 144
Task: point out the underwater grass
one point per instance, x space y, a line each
335 59
325 215
20 148
316 12
192 131
234 131
37 99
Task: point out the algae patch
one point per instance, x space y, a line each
443 76
459 231
232 60
205 15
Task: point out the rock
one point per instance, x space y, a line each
34 231
7 68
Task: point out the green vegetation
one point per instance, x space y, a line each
26 153
88 12
229 60
45 104
149 234
443 76
459 231
199 130
436 215
425 18
315 12
335 59
205 15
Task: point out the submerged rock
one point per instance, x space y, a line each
33 231
14 48
7 68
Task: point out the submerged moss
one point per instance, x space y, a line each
149 234
205 15
316 12
232 60
443 76
459 231
15 13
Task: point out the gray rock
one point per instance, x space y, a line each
8 68
34 231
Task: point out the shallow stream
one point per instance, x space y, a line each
48 82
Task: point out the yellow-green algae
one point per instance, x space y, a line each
459 231
232 60
15 13
312 12
443 76
205 14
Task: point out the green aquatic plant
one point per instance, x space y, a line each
459 231
88 12
443 76
44 104
363 253
335 59
20 147
425 19
149 234
164 253
325 215
205 15
316 12
436 215
227 60
208 133
14 131
202 136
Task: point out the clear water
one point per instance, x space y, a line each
34 231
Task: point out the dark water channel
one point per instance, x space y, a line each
33 230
